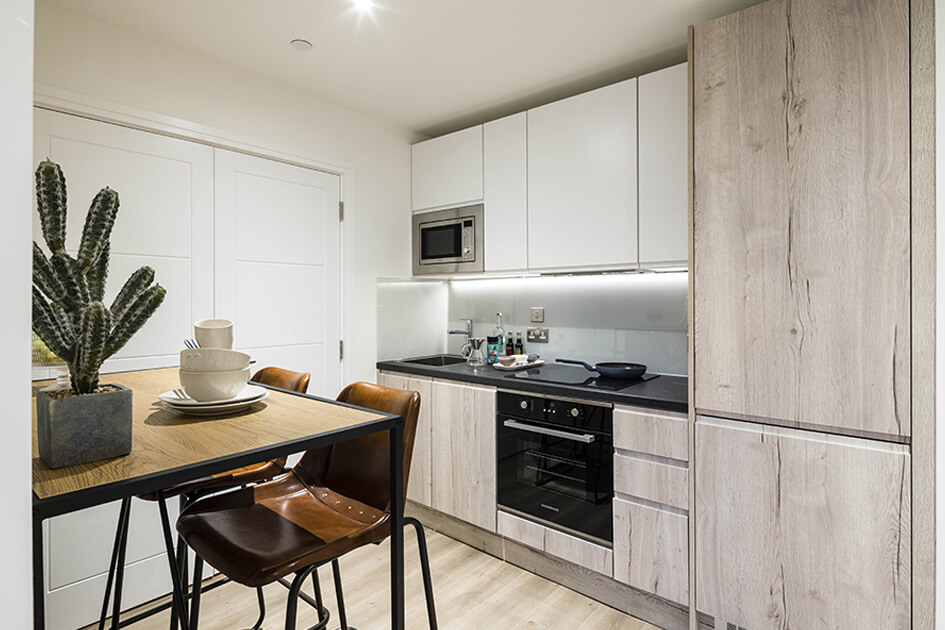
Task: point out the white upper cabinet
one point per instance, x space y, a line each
664 184
506 194
582 180
447 171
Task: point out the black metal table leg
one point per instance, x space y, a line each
397 614
118 558
180 606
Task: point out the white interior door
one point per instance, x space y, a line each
277 264
165 220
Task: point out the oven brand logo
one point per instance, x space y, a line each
550 507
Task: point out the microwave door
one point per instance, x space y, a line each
441 243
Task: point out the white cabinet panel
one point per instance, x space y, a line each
447 171
506 193
582 180
664 160
278 265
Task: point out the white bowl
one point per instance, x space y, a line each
207 386
213 360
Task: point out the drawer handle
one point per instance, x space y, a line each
585 438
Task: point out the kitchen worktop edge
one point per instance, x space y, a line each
668 392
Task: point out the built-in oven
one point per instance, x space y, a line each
448 241
555 462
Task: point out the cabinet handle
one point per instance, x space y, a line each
586 438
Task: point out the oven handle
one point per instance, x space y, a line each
586 438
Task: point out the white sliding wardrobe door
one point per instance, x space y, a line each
165 220
277 271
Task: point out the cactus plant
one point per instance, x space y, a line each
68 310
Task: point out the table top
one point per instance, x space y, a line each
165 440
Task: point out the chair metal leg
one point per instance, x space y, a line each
425 568
197 590
180 605
323 613
339 595
261 604
118 557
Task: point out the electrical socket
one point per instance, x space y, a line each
536 335
537 314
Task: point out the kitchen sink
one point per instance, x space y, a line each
436 360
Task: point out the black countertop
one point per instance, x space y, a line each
665 392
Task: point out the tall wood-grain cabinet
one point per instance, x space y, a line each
419 480
582 180
801 328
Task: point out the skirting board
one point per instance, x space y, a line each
649 608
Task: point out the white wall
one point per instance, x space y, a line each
81 55
16 97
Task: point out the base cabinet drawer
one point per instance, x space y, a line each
663 433
651 550
666 483
556 543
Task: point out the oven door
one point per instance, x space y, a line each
557 475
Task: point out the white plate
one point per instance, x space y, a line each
217 409
519 366
178 398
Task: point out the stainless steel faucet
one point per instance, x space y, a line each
466 348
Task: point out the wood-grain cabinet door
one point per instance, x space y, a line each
464 456
798 529
419 484
801 214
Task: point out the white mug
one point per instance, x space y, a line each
214 333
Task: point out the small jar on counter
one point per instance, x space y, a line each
492 349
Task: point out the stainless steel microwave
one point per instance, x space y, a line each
448 241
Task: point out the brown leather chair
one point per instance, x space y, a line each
334 500
190 490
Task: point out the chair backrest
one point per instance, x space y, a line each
360 468
284 379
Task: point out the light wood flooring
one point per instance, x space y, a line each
473 590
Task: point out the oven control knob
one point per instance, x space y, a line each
575 412
523 404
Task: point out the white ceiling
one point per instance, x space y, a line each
431 66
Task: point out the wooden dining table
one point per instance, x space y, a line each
170 448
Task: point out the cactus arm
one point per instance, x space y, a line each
45 277
48 327
97 274
96 323
98 228
134 318
51 203
75 287
133 288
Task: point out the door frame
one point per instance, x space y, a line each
85 106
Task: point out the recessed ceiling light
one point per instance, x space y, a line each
301 44
364 6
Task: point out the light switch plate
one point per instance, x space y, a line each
537 314
536 335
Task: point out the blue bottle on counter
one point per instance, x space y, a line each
492 349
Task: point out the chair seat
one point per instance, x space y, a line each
260 534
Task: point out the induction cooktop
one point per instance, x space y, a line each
576 376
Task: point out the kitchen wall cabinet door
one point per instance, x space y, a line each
447 171
801 215
663 123
582 180
464 455
419 482
801 529
505 193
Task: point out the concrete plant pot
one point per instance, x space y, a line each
82 429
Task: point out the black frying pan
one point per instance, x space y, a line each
612 369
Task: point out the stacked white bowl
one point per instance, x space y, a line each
211 374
